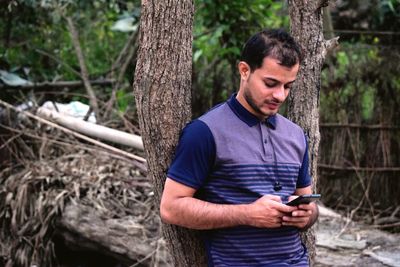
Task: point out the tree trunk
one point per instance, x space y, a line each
163 97
303 104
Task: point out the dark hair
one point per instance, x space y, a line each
274 43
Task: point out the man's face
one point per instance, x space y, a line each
264 90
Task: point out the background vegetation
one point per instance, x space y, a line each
360 94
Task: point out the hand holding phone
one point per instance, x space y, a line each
304 199
305 216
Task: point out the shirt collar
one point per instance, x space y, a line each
246 116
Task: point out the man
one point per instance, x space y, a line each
237 165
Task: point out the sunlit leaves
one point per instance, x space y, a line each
124 100
368 102
358 82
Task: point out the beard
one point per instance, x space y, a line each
256 108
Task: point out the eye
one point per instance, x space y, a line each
288 86
270 84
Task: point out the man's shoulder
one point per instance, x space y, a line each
196 128
284 122
215 114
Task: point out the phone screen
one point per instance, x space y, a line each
304 199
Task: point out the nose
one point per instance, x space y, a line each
279 93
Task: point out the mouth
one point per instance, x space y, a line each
272 105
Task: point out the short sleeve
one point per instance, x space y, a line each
194 156
304 178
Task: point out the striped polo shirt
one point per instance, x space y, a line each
231 157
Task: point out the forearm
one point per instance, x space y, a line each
178 206
198 214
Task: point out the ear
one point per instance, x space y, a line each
244 70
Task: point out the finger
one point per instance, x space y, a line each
299 224
306 206
292 198
279 214
288 219
274 197
285 208
278 222
301 213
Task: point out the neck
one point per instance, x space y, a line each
242 100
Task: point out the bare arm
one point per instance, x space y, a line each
306 215
178 206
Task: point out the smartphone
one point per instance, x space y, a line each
304 199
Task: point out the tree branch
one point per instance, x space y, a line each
360 126
330 45
59 61
323 3
58 84
128 52
358 169
131 40
84 71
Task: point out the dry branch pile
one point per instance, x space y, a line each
52 184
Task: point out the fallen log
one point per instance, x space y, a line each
385 260
83 200
92 129
336 243
84 227
54 125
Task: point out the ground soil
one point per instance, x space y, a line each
343 243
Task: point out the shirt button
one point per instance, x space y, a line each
265 141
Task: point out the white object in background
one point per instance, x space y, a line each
125 25
91 129
75 109
12 79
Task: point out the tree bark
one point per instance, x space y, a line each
163 97
303 103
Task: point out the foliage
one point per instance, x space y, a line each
361 76
37 44
368 15
360 85
342 84
221 28
227 24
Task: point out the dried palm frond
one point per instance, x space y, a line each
51 170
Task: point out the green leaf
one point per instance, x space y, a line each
197 55
368 102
